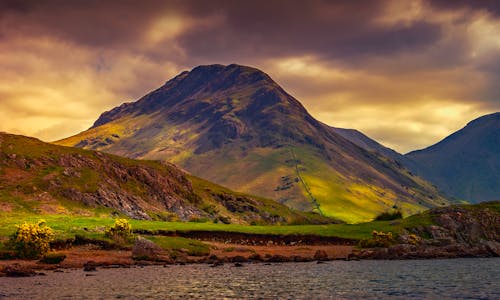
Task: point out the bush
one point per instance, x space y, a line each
378 239
53 258
31 240
199 220
121 231
388 216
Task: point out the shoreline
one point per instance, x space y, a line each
91 257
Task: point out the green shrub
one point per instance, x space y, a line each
199 220
388 216
31 240
121 231
53 258
378 239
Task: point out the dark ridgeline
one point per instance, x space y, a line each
466 164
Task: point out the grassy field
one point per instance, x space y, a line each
93 227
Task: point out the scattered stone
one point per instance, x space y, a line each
255 257
90 266
298 258
320 255
278 258
18 271
238 265
217 264
239 259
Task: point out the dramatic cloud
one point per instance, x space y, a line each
406 73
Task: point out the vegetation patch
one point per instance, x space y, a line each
378 239
390 215
121 232
31 240
181 245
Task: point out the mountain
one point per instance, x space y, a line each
465 164
41 178
372 145
235 126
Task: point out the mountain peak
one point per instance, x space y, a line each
230 98
230 74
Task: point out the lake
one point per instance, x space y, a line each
405 279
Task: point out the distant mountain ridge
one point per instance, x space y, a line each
466 164
237 127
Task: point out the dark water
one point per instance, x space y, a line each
416 279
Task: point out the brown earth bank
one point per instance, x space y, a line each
254 239
91 257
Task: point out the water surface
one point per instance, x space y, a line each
411 279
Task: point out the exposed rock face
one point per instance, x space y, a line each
103 180
457 232
147 250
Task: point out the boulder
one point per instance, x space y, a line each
147 250
320 255
90 266
18 271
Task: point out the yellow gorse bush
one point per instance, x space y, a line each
32 240
121 230
378 239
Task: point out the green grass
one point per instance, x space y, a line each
93 227
190 246
66 227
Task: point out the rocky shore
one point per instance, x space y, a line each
457 231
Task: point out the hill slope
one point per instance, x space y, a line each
465 164
235 126
37 177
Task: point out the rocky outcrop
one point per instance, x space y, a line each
457 231
147 250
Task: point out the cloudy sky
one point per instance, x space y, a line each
406 73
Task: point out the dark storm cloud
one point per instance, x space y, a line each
92 23
340 29
408 72
491 6
330 29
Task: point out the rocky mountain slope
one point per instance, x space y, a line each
37 177
466 164
237 127
367 143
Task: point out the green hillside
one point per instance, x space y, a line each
39 179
